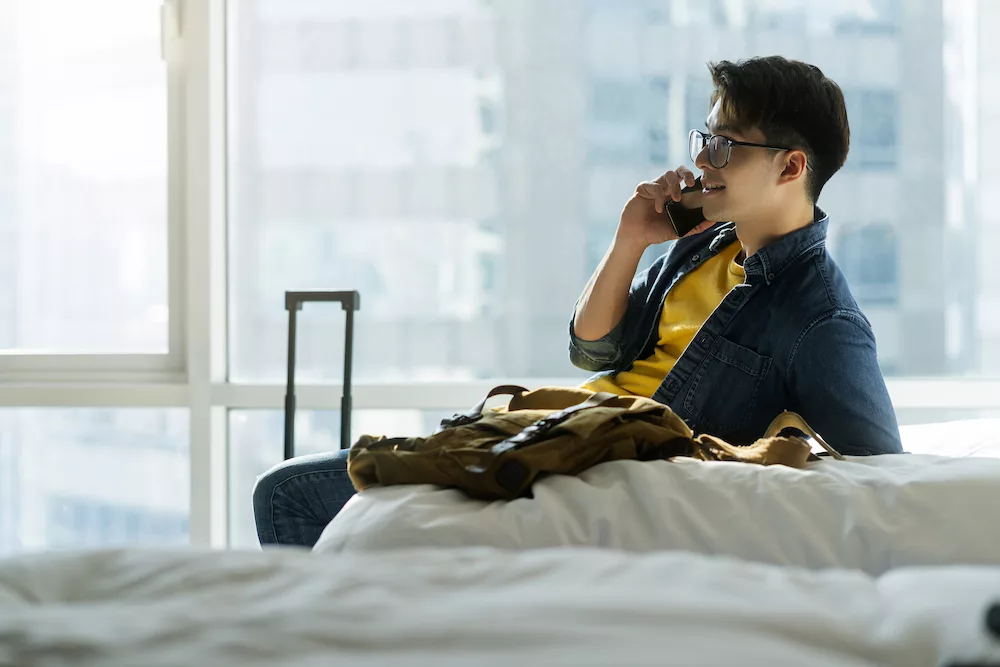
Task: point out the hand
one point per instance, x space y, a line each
644 221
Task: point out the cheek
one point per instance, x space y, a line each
747 179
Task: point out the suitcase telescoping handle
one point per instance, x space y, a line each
351 301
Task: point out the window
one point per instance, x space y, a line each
83 178
628 122
615 132
871 17
648 11
846 17
461 163
869 258
657 131
874 122
92 477
712 13
697 101
76 523
388 200
779 15
391 198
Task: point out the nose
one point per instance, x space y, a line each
701 160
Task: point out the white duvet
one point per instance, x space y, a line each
481 607
869 513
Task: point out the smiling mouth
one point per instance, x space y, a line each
712 189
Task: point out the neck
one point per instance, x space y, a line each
756 234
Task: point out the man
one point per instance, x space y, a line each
741 320
735 323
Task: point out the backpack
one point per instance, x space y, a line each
498 453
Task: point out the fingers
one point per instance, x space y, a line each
672 183
686 176
675 180
654 191
668 185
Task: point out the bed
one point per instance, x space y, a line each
901 602
936 506
483 607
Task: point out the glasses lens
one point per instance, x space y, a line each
696 142
718 152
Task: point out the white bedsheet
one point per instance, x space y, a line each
480 607
973 437
869 513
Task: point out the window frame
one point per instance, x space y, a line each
31 366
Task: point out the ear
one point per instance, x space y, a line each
794 168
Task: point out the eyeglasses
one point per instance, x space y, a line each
720 148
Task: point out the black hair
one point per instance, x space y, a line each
793 104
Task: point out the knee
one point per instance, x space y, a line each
263 489
267 483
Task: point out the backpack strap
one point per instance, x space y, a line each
476 413
532 432
792 421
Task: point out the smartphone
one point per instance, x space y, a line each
683 219
694 188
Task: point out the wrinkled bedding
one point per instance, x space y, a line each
481 607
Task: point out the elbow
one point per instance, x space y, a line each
595 355
587 362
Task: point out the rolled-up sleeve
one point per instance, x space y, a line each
606 353
596 355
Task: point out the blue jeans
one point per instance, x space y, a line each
294 500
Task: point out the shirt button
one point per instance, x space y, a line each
770 277
696 258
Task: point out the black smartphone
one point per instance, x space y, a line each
683 219
694 188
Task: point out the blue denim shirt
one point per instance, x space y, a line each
791 337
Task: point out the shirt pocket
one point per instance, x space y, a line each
724 390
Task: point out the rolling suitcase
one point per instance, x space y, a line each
350 300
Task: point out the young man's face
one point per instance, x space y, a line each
749 180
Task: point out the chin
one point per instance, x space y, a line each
715 214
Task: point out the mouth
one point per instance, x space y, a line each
709 189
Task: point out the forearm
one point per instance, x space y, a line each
605 297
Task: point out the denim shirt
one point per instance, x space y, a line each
791 337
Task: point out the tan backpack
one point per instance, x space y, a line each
498 453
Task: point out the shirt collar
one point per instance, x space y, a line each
771 260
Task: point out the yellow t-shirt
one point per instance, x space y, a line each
686 308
